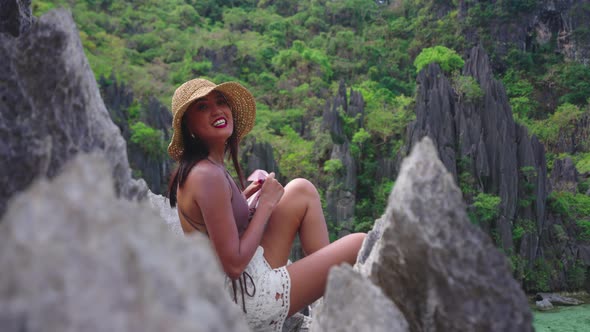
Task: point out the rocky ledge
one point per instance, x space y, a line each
433 269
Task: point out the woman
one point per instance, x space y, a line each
253 246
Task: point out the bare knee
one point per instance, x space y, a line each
357 240
302 186
353 245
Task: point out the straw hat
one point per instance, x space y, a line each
240 101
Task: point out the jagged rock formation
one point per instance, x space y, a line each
562 22
575 138
258 156
74 257
118 98
486 151
15 17
354 303
340 196
442 272
564 176
50 107
168 214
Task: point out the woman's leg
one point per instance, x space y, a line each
309 274
299 210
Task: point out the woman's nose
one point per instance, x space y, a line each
217 109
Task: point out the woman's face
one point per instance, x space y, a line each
210 119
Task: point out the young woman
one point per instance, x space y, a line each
253 245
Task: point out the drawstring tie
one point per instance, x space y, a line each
243 288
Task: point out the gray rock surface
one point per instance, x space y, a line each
340 195
486 151
544 305
353 303
543 22
558 299
442 272
169 214
15 16
51 109
258 156
74 257
564 176
117 97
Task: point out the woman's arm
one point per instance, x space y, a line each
213 195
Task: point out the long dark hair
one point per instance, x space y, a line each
196 150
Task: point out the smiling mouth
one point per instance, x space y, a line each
220 123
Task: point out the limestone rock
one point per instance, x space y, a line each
259 155
545 21
353 303
442 272
74 257
340 195
168 214
544 305
118 97
557 299
564 176
480 145
15 16
51 110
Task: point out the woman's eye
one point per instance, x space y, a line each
221 102
202 107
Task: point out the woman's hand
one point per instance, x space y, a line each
271 191
253 188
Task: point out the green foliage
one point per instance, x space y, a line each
358 140
522 227
369 209
294 154
41 7
448 60
539 278
583 163
486 208
560 233
517 266
562 120
519 92
575 80
466 180
333 166
517 233
575 207
528 183
150 140
292 55
387 115
576 276
467 88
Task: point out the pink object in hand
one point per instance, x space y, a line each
257 175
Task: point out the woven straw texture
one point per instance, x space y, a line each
239 99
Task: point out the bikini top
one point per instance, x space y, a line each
239 208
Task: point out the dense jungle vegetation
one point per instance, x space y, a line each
293 54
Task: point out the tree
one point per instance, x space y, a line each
447 59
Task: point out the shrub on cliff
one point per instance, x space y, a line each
448 60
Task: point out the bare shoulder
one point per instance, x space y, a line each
205 176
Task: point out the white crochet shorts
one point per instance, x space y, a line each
263 293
